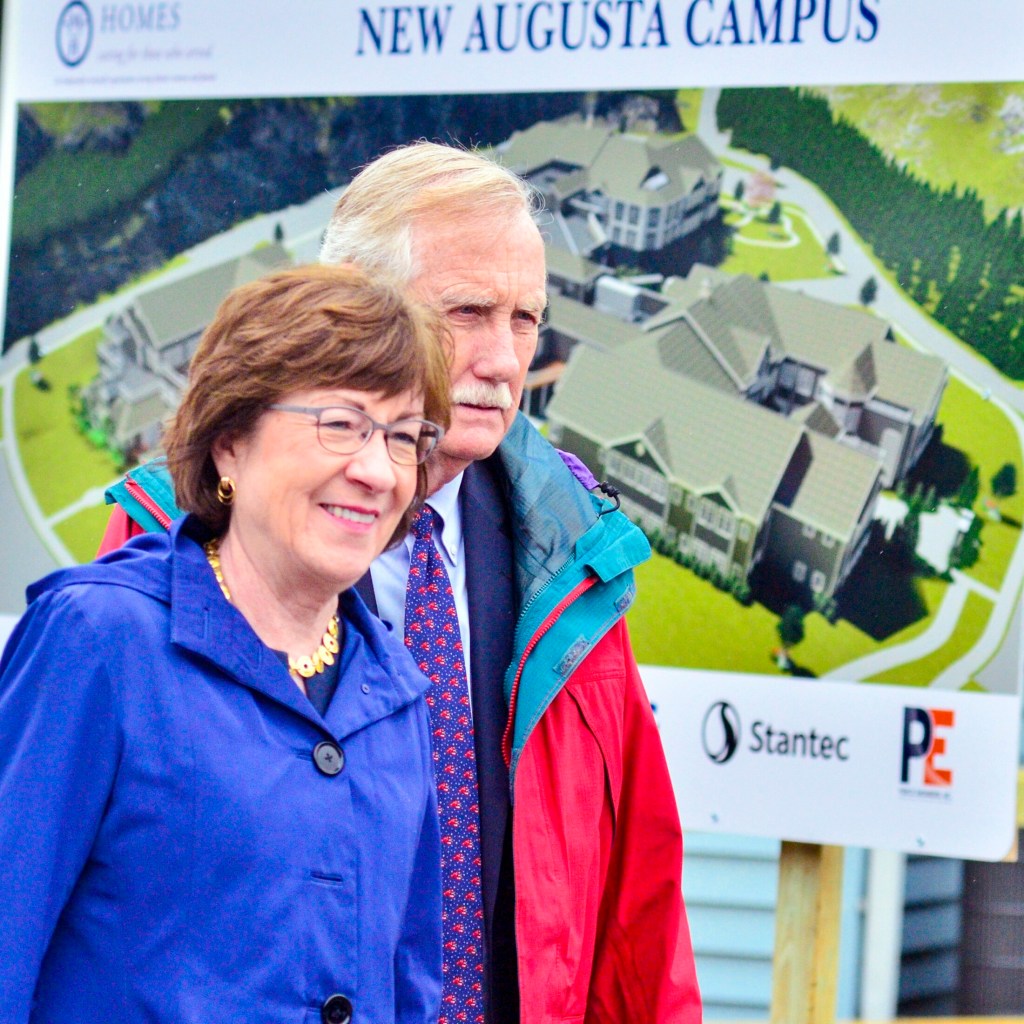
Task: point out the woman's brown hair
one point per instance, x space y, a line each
304 328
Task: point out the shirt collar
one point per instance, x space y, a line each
445 502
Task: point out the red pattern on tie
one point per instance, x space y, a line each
432 636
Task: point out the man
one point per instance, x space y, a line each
580 850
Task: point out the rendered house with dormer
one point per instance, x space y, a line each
603 186
147 346
744 422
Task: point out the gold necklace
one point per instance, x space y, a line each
306 666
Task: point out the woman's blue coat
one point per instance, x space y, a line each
169 851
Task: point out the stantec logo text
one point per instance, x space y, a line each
721 735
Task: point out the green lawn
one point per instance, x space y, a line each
969 628
781 262
60 464
982 431
947 134
761 234
683 621
81 533
94 184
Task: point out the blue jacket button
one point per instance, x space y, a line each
328 757
336 1010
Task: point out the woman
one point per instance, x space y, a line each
215 777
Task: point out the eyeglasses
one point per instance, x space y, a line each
344 431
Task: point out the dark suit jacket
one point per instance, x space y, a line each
492 616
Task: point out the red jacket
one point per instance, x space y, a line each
600 924
601 931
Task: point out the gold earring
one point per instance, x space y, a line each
226 490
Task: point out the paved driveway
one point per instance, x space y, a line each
22 554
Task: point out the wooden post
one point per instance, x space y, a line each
806 963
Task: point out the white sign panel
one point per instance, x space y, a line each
879 766
113 49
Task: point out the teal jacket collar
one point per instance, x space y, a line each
574 561
146 493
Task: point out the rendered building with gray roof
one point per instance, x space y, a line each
746 423
603 186
147 346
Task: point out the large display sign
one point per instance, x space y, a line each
87 49
786 323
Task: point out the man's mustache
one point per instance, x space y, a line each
495 396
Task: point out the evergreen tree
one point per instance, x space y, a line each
909 531
967 495
868 291
969 548
1004 483
790 626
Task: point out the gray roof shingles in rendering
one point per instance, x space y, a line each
651 170
184 307
587 325
853 347
675 389
705 437
568 140
644 170
678 381
682 352
909 379
835 488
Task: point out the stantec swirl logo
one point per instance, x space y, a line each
74 33
923 745
720 733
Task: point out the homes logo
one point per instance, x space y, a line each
720 733
925 732
74 33
158 16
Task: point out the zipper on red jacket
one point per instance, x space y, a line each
136 491
580 588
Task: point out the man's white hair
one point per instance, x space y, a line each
372 221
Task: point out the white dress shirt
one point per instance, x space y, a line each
390 571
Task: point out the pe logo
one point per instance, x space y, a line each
925 732
74 33
720 732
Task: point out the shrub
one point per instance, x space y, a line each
1004 483
968 550
826 607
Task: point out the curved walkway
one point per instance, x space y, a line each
941 629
